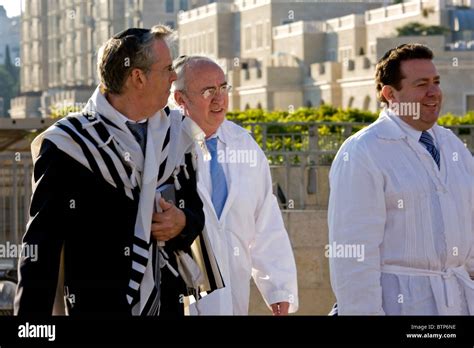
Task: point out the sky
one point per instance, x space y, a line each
12 7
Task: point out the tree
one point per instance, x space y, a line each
419 29
9 81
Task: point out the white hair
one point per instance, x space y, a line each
183 63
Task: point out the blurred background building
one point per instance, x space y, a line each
59 43
277 54
284 55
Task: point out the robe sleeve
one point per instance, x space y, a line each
356 217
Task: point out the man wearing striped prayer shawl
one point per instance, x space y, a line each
95 176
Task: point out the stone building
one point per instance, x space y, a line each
287 54
59 43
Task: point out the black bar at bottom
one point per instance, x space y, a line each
253 329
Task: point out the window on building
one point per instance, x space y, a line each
184 46
268 34
351 102
248 38
366 103
210 42
259 69
322 69
332 55
169 6
183 5
202 41
469 103
259 35
247 74
372 48
170 24
345 53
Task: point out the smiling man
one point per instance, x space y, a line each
404 188
243 219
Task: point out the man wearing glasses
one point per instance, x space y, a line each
243 219
95 176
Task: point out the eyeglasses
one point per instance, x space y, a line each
211 92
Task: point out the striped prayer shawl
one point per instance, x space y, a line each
101 142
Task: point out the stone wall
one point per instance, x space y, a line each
308 233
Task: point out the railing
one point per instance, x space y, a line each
15 194
299 153
305 136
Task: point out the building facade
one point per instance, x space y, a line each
10 34
287 54
59 44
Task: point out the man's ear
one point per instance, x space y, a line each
388 93
178 97
137 79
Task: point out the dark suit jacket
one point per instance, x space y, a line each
77 209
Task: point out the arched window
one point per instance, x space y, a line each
351 102
366 103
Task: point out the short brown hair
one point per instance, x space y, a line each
388 72
128 50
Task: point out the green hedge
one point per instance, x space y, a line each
329 114
283 137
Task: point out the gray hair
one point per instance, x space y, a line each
119 55
184 63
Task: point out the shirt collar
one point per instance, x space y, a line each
219 135
406 128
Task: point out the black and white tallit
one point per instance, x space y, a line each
100 140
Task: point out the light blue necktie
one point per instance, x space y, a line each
219 184
427 140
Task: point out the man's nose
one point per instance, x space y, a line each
173 77
434 90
